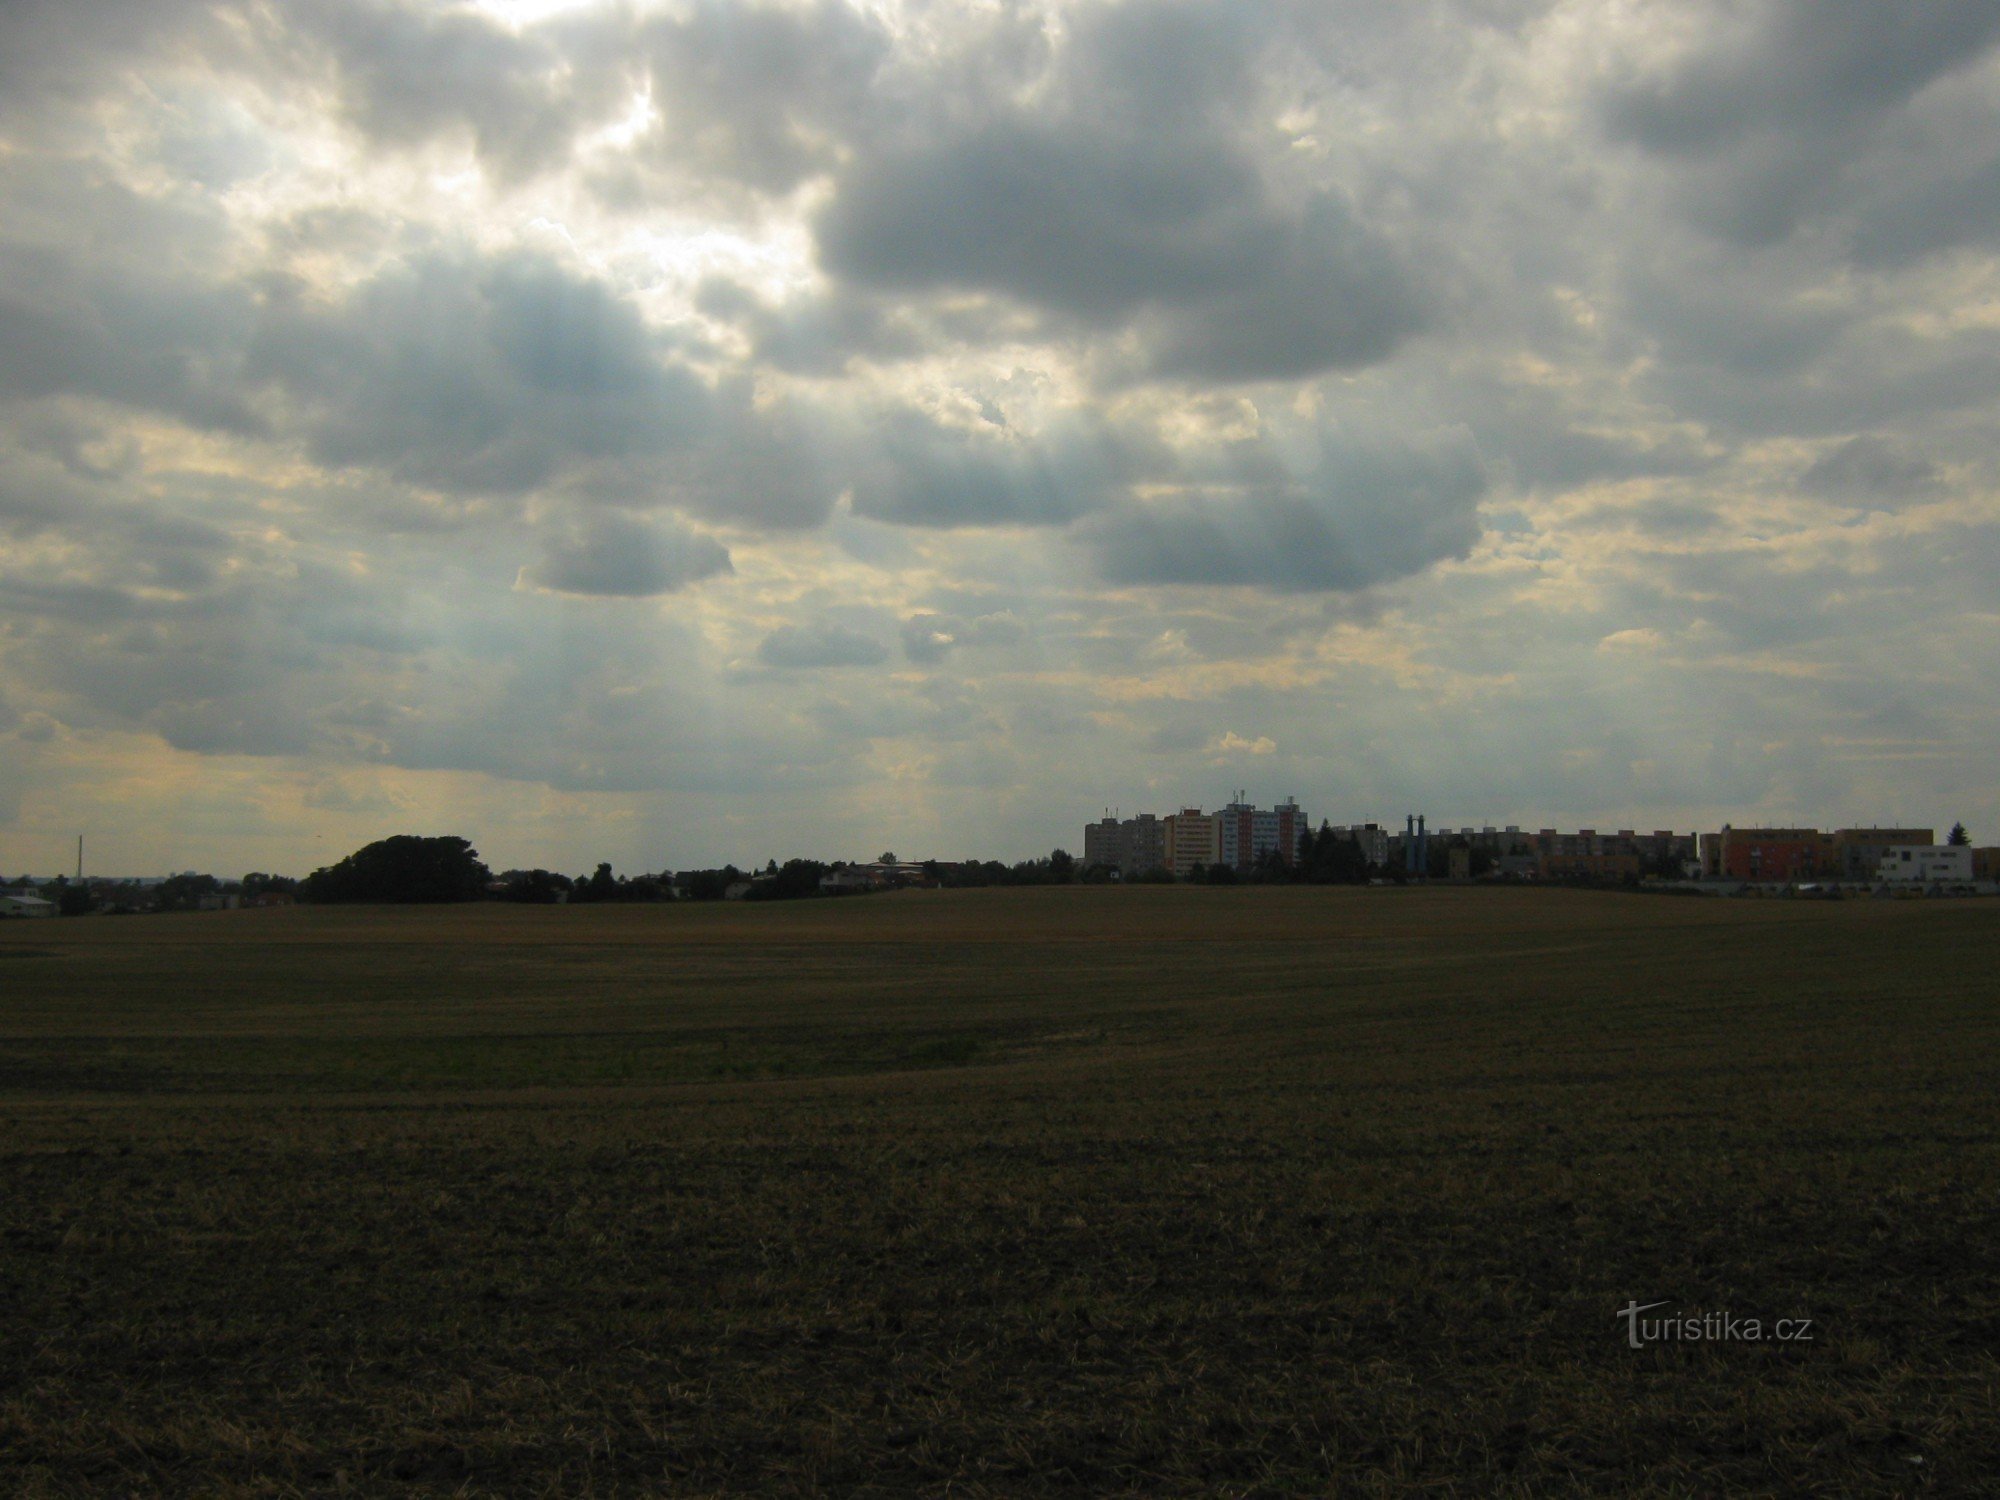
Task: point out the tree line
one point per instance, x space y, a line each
412 869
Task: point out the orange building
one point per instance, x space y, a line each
1773 854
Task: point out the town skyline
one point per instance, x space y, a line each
1078 845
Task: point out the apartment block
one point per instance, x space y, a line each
1246 834
1131 847
1193 837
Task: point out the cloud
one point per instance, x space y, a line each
809 647
409 74
1870 468
1776 101
1178 243
1128 198
622 557
476 373
135 320
56 57
1924 208
1340 517
1644 639
1796 67
921 471
761 94
1054 388
929 638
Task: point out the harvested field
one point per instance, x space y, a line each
1151 1191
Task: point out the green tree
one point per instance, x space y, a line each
1062 866
1958 836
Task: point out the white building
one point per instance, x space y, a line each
1246 833
1926 864
26 906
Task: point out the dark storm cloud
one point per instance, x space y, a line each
1873 377
1942 209
761 94
465 373
807 647
1871 468
1804 67
476 374
924 472
407 74
620 556
129 317
1130 194
1227 283
1356 517
1776 102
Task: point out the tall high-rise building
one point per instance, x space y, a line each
1131 847
1192 838
1246 834
1238 836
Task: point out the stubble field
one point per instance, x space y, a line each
1149 1191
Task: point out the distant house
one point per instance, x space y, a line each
736 890
1926 863
26 906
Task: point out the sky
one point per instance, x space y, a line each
724 431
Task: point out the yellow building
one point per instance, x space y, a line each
1193 838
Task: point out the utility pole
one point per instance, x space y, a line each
79 858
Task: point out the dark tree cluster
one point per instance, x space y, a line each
403 869
603 886
709 885
793 879
534 887
184 892
1058 868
